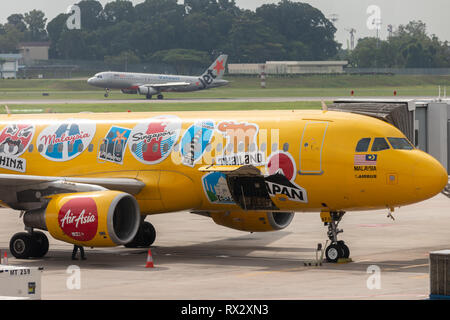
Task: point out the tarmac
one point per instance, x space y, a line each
196 259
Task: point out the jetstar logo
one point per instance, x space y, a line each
219 66
78 218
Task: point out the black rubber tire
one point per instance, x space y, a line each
148 97
160 97
145 236
149 234
333 253
345 249
41 244
22 245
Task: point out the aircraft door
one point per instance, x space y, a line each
311 148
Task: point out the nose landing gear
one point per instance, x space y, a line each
337 249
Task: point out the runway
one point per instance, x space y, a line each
196 259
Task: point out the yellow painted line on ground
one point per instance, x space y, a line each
424 276
415 266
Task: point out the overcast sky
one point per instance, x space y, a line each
350 13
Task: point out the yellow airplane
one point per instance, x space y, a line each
91 179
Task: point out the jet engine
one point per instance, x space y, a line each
148 91
253 221
91 219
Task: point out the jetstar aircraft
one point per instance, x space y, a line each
153 84
91 179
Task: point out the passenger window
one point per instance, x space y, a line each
363 145
400 144
379 144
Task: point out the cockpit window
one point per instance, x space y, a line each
379 144
363 145
100 76
400 144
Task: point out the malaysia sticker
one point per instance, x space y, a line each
14 141
78 219
65 141
281 180
216 188
195 140
152 141
112 148
241 147
365 160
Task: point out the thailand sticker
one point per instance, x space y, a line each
241 147
280 182
195 141
112 148
65 141
152 141
14 141
78 219
216 188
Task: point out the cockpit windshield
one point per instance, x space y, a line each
400 144
99 76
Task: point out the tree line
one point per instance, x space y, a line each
162 30
409 46
198 31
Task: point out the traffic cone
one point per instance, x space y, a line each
5 259
149 260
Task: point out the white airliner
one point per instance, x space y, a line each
154 84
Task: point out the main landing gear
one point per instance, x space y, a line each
159 96
337 249
31 244
107 91
145 236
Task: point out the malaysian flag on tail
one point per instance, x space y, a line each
365 160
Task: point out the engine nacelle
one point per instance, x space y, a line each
91 219
253 221
147 90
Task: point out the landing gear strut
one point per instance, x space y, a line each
107 91
24 245
337 249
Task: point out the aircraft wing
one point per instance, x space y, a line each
167 85
26 192
132 186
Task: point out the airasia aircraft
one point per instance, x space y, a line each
91 179
154 84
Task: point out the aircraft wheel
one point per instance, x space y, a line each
160 97
149 234
41 244
149 96
333 253
106 95
345 249
21 245
144 238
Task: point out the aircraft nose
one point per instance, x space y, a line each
430 177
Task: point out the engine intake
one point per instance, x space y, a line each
253 221
94 219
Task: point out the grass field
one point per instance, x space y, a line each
146 107
241 87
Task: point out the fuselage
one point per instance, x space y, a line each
329 160
130 82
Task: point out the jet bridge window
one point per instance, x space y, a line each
400 144
380 144
363 145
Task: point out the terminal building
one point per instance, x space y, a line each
9 65
288 67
